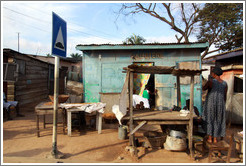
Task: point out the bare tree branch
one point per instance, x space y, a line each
168 18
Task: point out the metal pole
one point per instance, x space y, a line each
56 93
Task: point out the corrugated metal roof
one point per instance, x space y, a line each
13 53
67 59
224 55
198 45
163 70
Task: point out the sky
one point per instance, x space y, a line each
87 23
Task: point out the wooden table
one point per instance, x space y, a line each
69 120
162 118
46 108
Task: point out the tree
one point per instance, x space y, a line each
134 39
48 55
166 12
221 24
76 55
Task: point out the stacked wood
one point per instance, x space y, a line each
74 87
11 91
75 91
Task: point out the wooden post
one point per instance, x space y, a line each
56 93
99 122
69 123
37 123
44 120
191 115
178 92
130 88
63 119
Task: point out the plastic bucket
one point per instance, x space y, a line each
122 132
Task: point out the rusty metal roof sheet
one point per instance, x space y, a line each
201 46
163 70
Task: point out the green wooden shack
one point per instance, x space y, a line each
103 64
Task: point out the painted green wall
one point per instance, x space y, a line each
102 72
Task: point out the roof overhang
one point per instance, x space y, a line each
201 46
163 70
226 55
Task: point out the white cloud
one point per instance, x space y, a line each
34 22
35 25
161 39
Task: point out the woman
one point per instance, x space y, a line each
214 106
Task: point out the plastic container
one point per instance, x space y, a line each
175 144
177 134
122 132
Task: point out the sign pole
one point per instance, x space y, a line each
56 93
59 48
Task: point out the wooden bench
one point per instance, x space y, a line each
221 145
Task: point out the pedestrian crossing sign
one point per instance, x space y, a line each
59 36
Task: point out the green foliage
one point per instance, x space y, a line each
76 55
217 23
48 55
222 24
134 39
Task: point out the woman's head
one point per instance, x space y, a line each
217 71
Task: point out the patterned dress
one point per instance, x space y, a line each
214 110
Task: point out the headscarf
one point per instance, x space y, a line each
218 71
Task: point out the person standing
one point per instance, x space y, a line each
147 94
213 114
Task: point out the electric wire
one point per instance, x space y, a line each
28 25
75 31
42 12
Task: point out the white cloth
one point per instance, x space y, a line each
124 100
8 103
89 108
118 114
184 112
121 110
137 99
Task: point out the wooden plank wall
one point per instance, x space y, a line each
11 91
32 86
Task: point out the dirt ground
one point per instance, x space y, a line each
21 145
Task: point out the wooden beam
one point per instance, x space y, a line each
190 133
178 92
168 122
6 71
130 86
138 127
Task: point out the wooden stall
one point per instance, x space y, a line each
28 80
31 78
164 116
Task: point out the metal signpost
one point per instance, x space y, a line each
59 48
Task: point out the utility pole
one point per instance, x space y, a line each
18 41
